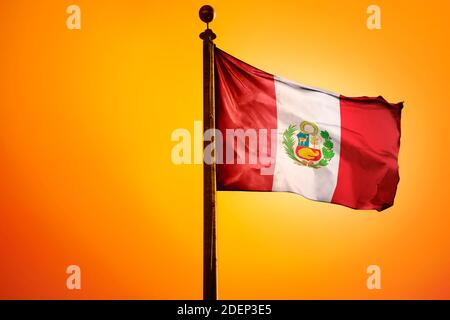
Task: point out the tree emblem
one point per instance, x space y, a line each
306 146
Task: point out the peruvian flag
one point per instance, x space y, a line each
318 144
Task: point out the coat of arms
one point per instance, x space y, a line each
307 145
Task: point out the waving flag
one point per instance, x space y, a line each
323 146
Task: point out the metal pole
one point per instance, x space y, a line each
206 14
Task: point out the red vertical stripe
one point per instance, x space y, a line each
370 141
245 99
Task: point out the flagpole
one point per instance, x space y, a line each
207 14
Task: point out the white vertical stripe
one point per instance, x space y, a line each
295 104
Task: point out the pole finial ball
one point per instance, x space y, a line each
207 14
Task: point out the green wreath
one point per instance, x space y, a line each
289 142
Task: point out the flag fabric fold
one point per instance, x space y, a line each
278 135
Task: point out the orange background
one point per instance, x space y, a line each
86 176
